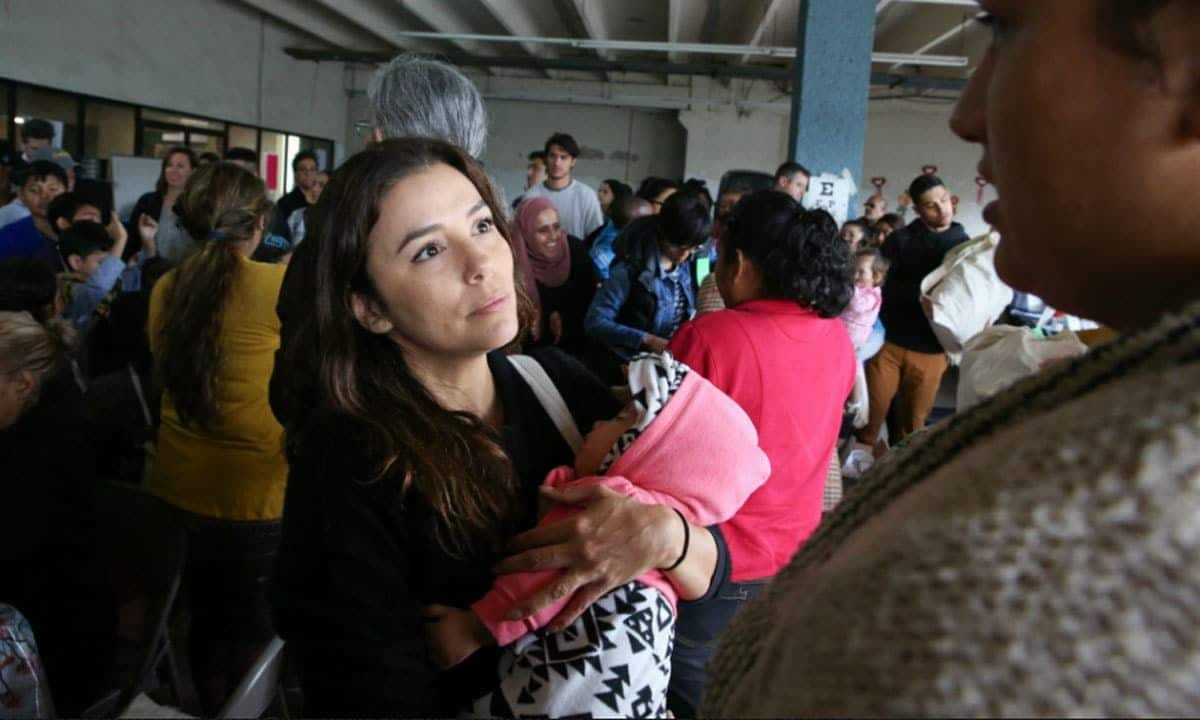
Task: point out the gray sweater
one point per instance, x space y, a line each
577 204
1038 555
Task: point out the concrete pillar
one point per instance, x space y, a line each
832 81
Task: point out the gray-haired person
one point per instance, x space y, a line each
411 96
417 96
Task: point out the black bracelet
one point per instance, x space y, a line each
687 539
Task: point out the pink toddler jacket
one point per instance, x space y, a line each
860 316
700 455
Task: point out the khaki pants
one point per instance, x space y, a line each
915 375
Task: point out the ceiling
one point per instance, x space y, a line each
623 39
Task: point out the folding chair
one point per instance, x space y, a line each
259 687
145 547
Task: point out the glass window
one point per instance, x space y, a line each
108 129
202 142
61 109
158 139
272 160
241 136
324 151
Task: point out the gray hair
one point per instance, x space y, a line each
415 96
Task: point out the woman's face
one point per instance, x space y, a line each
1095 156
605 194
441 270
724 269
547 234
177 171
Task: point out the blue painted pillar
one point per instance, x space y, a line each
832 83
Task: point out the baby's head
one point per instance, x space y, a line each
870 268
653 380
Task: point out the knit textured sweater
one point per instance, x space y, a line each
1038 555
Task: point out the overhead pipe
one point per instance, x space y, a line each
748 72
786 53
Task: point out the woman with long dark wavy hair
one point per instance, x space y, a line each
213 333
417 448
157 209
780 350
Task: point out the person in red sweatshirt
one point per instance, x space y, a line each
615 660
782 353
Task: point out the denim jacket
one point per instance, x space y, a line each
624 279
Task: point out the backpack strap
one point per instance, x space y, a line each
551 399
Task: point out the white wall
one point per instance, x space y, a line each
723 140
193 57
708 139
621 143
905 135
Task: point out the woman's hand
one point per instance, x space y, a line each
453 634
147 231
613 540
654 343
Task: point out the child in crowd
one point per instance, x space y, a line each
870 268
615 660
93 257
857 235
886 226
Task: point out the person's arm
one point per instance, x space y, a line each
88 296
613 540
343 596
601 320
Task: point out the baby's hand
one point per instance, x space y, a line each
453 634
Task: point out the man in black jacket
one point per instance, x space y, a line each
912 361
304 167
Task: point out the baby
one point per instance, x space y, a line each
681 443
860 317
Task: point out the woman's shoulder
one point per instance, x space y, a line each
327 434
1086 481
587 397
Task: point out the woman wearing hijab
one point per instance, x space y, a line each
557 274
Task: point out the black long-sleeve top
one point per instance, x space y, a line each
350 580
914 252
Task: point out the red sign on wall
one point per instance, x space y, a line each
272 171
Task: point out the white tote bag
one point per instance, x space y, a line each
1004 354
964 296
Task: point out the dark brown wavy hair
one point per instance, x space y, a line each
220 207
418 451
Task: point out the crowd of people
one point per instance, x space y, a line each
467 456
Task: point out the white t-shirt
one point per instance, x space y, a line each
577 205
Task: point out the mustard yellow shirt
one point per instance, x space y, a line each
235 469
